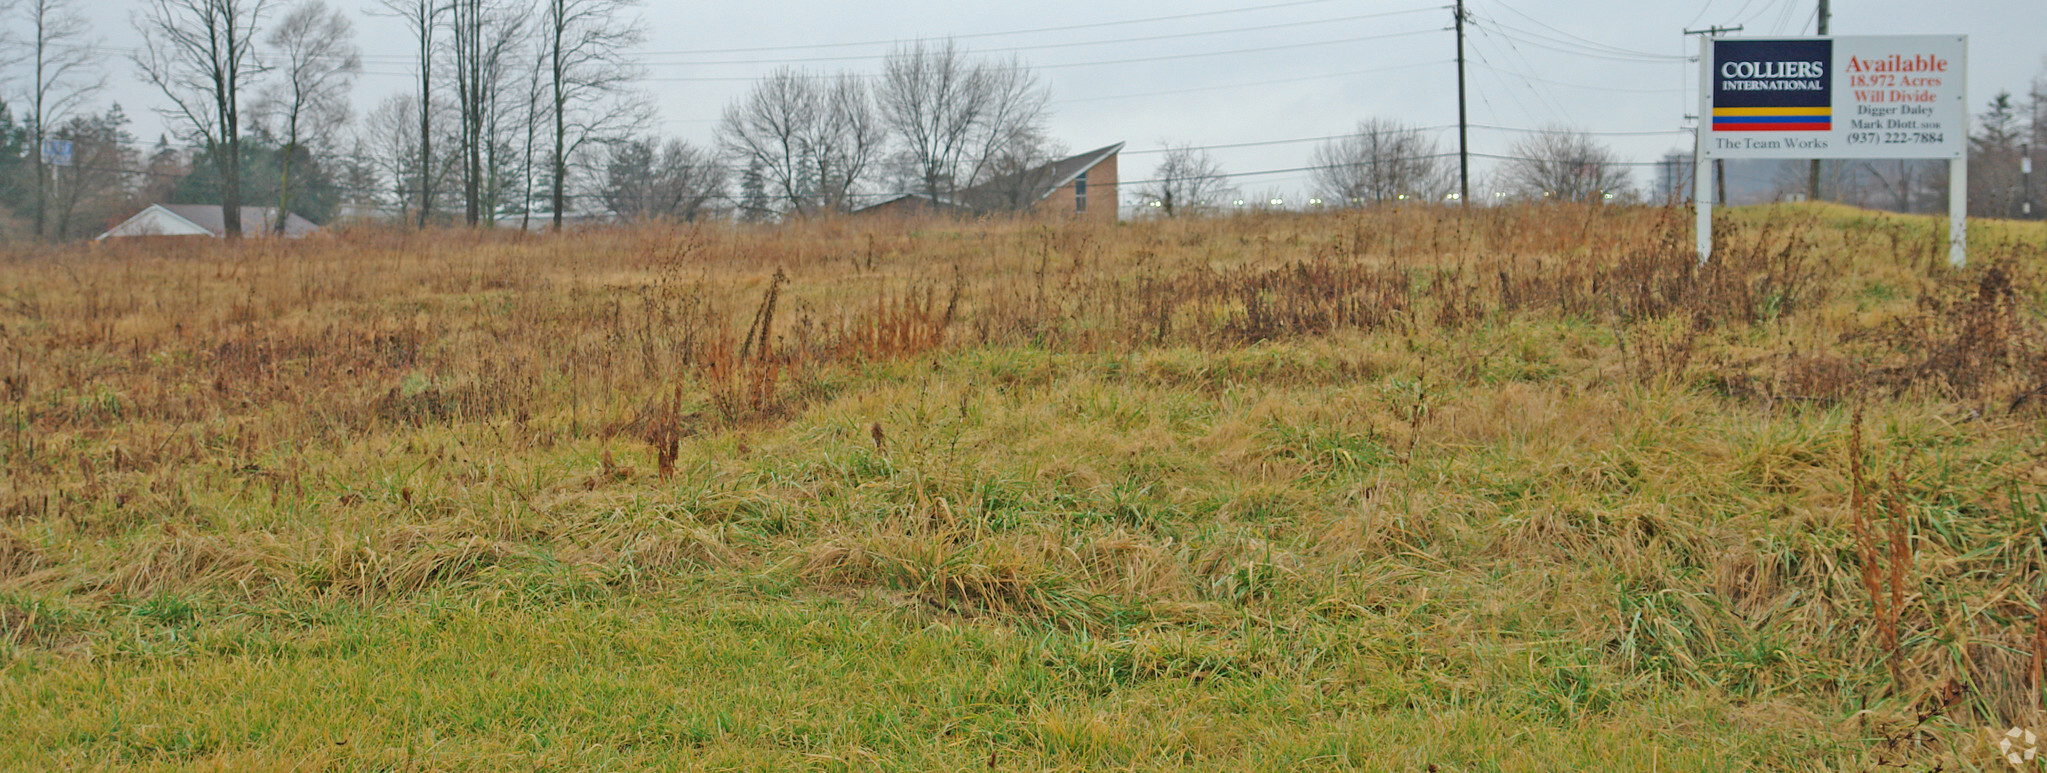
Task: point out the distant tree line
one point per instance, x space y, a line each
527 113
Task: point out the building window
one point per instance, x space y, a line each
1080 193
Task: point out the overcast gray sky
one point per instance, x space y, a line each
1211 72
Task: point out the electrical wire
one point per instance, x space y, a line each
1542 95
1408 66
643 57
1513 94
1055 66
1614 89
1537 42
1045 46
1264 143
1702 14
1587 41
978 35
1070 65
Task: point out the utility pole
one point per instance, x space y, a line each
1812 181
1463 128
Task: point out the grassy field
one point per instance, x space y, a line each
1517 489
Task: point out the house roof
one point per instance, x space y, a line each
1044 179
1049 177
195 219
925 199
1065 170
212 217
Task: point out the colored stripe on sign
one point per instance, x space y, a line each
1773 119
1726 111
1772 127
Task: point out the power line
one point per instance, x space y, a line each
642 57
1543 96
1265 143
1702 13
1291 170
1603 163
1070 65
1536 40
1513 95
1737 12
1615 89
1587 41
977 35
1260 49
1408 66
1058 66
1439 128
1645 133
1044 46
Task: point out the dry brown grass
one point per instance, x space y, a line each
1521 425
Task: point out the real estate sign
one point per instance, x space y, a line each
1841 97
1877 96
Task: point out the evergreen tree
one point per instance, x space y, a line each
315 196
17 181
1994 180
753 195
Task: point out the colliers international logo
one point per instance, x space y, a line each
1773 85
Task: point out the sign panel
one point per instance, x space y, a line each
1885 96
57 152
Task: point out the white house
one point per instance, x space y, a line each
205 220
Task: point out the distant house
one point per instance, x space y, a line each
1081 186
205 220
543 221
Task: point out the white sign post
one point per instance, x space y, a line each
1878 96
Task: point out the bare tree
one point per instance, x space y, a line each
1673 181
1382 161
675 181
955 117
66 74
1905 185
813 138
423 18
1560 164
1840 181
96 184
583 43
486 36
318 60
1186 180
507 112
201 54
387 137
1016 177
533 110
390 140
